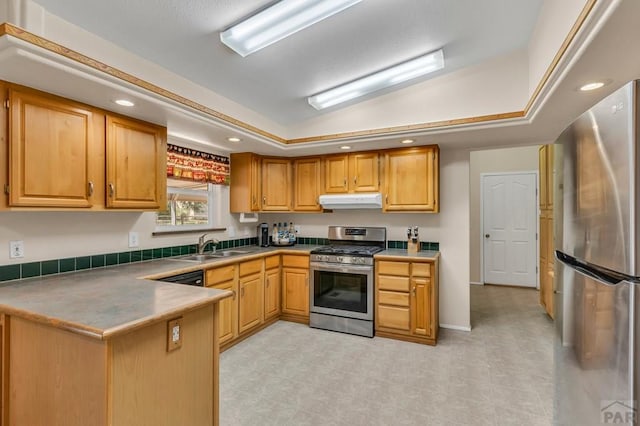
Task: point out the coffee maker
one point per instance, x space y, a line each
263 235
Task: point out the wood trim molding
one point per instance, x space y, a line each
26 36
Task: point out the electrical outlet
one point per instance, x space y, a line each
16 249
134 240
296 228
174 334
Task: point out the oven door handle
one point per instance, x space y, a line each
333 267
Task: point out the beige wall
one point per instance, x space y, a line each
497 160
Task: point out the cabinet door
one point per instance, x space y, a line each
136 164
306 184
295 291
336 171
272 293
56 151
364 172
244 190
549 175
276 176
421 307
251 302
411 179
542 177
228 313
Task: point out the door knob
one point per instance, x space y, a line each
487 235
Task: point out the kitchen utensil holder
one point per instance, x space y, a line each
413 245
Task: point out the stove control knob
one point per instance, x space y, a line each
339 258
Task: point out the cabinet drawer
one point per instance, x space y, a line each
421 269
250 267
271 262
393 298
218 275
386 282
393 268
394 317
293 261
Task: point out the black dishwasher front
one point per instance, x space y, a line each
195 278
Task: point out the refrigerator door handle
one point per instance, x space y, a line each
598 273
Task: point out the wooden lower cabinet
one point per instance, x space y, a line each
407 300
224 278
250 309
547 261
272 287
295 287
56 377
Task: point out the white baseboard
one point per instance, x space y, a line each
456 327
476 283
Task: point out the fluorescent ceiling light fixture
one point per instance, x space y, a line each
391 76
233 139
124 102
279 21
592 86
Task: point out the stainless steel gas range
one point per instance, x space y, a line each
341 290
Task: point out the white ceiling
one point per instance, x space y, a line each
183 36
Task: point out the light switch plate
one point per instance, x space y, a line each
174 334
134 239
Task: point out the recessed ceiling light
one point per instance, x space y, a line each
124 102
405 141
396 74
592 86
234 139
345 147
284 18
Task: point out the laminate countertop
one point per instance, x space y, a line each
105 302
400 255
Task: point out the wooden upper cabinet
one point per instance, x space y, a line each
136 164
364 172
545 176
411 179
276 189
352 173
245 192
307 184
55 155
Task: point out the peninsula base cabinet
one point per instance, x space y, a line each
53 377
407 300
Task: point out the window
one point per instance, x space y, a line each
190 205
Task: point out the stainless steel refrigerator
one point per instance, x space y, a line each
596 217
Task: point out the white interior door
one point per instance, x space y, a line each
509 229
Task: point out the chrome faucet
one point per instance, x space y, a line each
202 243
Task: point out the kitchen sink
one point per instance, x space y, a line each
208 256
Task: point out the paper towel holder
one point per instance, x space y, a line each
248 217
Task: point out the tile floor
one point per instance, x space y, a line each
498 374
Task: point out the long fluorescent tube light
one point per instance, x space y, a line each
394 75
279 21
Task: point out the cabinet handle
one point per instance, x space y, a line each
254 200
264 200
234 294
112 189
242 292
267 282
355 180
386 199
90 188
345 182
413 290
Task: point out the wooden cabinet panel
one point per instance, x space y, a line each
295 291
394 317
220 274
228 313
271 262
393 268
421 269
136 164
393 283
545 177
250 302
251 267
56 157
276 178
307 184
272 293
421 307
364 172
245 192
411 180
393 298
547 261
336 171
295 261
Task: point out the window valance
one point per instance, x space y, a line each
197 166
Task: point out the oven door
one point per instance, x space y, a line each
342 290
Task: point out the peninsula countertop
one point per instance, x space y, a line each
105 302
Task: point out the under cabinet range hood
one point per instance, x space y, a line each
351 201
